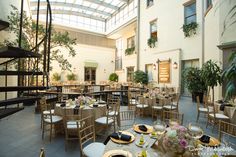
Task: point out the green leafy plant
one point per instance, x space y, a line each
190 29
129 51
71 77
211 74
152 42
140 77
56 77
113 77
59 40
229 75
193 80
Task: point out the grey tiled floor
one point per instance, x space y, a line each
20 134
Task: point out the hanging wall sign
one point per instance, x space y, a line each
164 71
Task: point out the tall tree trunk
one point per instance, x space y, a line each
212 94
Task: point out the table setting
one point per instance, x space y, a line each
164 140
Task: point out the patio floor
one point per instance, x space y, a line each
20 134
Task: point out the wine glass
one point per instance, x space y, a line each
195 131
159 126
119 135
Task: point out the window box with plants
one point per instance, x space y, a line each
190 29
129 51
152 42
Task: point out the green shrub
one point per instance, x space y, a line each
71 77
140 77
113 77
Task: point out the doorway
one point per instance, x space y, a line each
187 64
90 74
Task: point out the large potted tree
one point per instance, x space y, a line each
140 77
211 74
229 75
194 82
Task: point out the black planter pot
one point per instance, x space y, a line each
194 96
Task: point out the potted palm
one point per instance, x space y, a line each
229 75
211 74
71 77
194 82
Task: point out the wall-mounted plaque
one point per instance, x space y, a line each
164 71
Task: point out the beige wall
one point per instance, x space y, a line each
171 42
102 56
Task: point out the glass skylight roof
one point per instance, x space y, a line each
84 14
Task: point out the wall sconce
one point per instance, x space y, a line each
175 65
154 66
104 70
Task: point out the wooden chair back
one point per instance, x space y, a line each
43 104
86 131
226 128
127 119
42 153
171 115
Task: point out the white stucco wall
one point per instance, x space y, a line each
171 42
105 57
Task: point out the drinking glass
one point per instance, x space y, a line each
195 131
119 135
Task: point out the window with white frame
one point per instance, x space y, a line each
153 29
131 42
190 13
119 49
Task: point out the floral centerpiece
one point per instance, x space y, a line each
83 100
176 139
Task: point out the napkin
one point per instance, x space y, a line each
118 156
124 137
63 105
95 105
205 139
142 128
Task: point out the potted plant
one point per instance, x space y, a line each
152 42
229 75
194 82
211 74
71 77
129 51
56 77
140 77
113 77
190 29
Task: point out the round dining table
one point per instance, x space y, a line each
154 148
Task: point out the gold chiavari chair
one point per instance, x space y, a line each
157 107
87 135
141 106
173 116
71 127
127 119
109 119
44 107
226 128
132 101
213 117
201 109
50 120
42 153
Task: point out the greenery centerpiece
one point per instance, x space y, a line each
140 77
229 75
152 42
194 82
190 29
113 77
129 51
211 74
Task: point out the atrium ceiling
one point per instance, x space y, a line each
88 14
